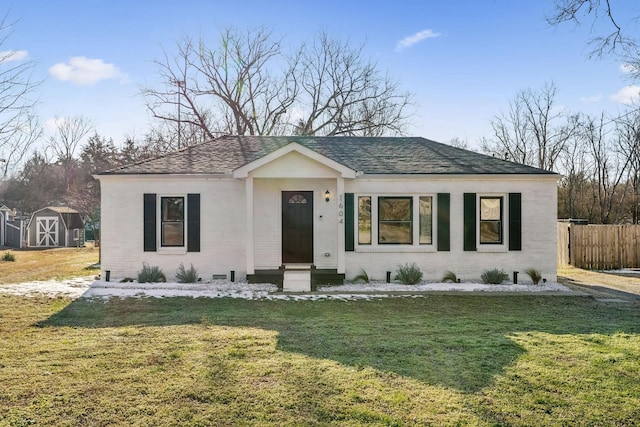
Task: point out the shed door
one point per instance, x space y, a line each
47 231
297 227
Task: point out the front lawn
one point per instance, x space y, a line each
439 360
48 264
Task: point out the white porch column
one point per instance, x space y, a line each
249 204
341 219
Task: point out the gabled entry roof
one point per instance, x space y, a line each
344 171
368 155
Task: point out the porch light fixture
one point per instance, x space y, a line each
327 196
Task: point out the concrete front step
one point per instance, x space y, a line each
319 277
297 280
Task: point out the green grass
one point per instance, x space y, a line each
439 360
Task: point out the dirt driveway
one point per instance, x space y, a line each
602 285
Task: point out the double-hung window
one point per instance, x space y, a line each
172 221
491 220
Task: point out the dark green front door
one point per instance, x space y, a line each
297 227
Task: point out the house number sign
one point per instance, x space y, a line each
340 210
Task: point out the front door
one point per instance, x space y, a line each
297 227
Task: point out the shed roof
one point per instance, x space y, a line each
71 217
369 155
62 209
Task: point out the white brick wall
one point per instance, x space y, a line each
539 213
223 224
222 232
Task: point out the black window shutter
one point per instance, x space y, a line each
193 223
515 221
469 222
348 223
149 229
444 222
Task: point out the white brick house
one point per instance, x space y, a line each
260 206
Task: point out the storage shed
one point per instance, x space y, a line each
55 226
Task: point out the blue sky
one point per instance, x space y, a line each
463 60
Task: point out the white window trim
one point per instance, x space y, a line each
170 250
494 247
415 247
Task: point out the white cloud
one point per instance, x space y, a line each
52 124
627 68
13 55
415 38
627 95
86 71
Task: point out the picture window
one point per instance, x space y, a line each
395 220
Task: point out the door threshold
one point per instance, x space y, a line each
298 266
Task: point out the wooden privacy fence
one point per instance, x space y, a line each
599 247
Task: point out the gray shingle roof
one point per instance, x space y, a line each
376 155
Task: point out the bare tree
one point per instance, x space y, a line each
19 128
534 131
65 141
458 143
615 39
228 89
575 186
627 129
68 133
608 171
247 85
342 93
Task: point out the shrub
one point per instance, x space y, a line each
186 276
8 256
361 277
151 274
409 274
494 276
450 276
535 275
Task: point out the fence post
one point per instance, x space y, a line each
22 234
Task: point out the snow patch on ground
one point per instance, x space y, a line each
454 287
72 288
88 287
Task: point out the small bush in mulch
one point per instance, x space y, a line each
535 275
409 274
151 274
361 277
186 276
494 276
450 276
